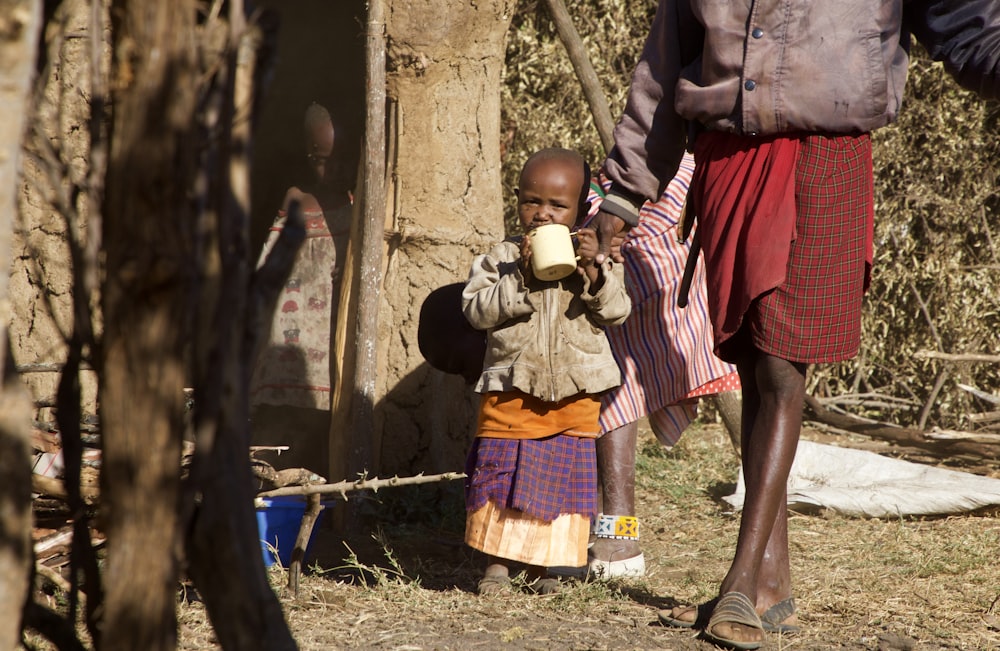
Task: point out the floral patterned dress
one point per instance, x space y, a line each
294 365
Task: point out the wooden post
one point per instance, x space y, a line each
362 401
585 72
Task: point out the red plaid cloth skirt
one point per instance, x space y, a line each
786 226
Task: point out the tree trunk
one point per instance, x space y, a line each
16 556
223 541
20 22
149 261
444 60
177 309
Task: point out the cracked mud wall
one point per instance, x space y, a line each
41 273
444 69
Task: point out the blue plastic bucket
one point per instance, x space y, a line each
278 523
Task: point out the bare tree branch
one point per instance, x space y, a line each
342 488
958 357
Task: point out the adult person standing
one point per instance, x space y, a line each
783 96
665 355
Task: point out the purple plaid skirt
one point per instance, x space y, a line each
544 478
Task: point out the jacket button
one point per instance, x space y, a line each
750 84
757 32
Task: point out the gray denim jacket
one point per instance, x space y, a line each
545 338
761 67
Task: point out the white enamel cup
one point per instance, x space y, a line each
552 253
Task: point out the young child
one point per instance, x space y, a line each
531 487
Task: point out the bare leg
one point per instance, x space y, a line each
616 470
773 393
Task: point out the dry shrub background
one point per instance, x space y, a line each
937 268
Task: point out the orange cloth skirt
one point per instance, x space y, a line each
512 535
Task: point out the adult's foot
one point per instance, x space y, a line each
616 551
781 617
777 618
688 616
608 550
735 623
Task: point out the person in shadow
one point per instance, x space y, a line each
290 386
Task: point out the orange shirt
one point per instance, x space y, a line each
516 415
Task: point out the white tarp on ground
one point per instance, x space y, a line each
863 484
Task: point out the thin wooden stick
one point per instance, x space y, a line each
373 484
585 72
313 509
925 413
957 357
982 395
57 579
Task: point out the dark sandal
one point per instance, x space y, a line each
734 608
774 616
667 618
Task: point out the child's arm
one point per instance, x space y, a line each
495 291
604 284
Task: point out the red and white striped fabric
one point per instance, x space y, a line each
665 352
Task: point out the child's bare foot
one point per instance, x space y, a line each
496 580
538 580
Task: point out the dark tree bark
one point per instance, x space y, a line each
148 219
222 541
16 555
176 311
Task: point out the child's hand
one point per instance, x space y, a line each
526 257
586 250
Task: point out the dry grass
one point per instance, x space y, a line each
860 584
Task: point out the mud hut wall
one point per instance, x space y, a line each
445 62
41 273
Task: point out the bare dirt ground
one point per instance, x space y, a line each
905 584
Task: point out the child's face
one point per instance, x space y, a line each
319 149
549 193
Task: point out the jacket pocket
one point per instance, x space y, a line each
875 75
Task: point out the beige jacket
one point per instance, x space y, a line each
760 67
545 338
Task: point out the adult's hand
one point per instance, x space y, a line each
610 233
